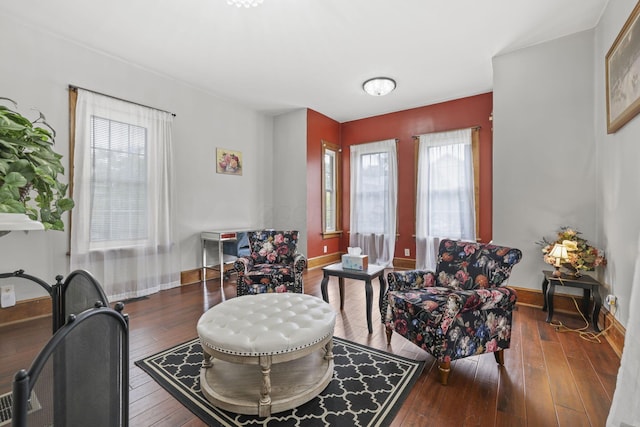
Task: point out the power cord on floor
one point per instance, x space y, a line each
582 332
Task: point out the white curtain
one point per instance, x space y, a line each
143 258
374 193
625 410
445 202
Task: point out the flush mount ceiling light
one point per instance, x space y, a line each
379 86
245 3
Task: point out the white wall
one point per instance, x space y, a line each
36 71
618 173
290 178
550 127
543 148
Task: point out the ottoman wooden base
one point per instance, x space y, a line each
236 387
266 353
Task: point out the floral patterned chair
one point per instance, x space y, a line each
273 265
462 309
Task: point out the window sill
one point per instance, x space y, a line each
332 234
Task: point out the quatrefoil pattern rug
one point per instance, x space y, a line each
367 389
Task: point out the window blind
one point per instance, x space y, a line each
119 200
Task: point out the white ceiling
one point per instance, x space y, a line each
288 54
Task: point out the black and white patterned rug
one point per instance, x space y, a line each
367 389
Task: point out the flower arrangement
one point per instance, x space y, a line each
581 255
229 162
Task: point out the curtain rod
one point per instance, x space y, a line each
472 128
75 88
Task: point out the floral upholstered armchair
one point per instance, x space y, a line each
274 265
462 309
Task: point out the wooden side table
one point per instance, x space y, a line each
372 272
589 286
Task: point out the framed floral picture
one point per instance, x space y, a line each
228 161
622 66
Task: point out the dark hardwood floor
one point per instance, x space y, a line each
549 378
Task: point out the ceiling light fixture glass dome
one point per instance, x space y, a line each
245 3
379 86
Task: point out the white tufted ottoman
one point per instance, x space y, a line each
290 336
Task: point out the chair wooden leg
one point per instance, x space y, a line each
389 332
444 368
499 355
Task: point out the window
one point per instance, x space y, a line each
446 187
122 182
373 208
331 190
118 183
374 182
449 190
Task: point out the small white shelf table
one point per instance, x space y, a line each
220 237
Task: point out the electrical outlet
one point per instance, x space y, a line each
407 252
611 300
325 249
7 296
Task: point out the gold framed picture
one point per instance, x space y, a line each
622 65
228 161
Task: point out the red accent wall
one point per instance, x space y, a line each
319 128
402 125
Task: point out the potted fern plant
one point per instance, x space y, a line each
29 169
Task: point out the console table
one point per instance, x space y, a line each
589 286
220 237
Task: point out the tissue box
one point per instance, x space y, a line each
355 262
